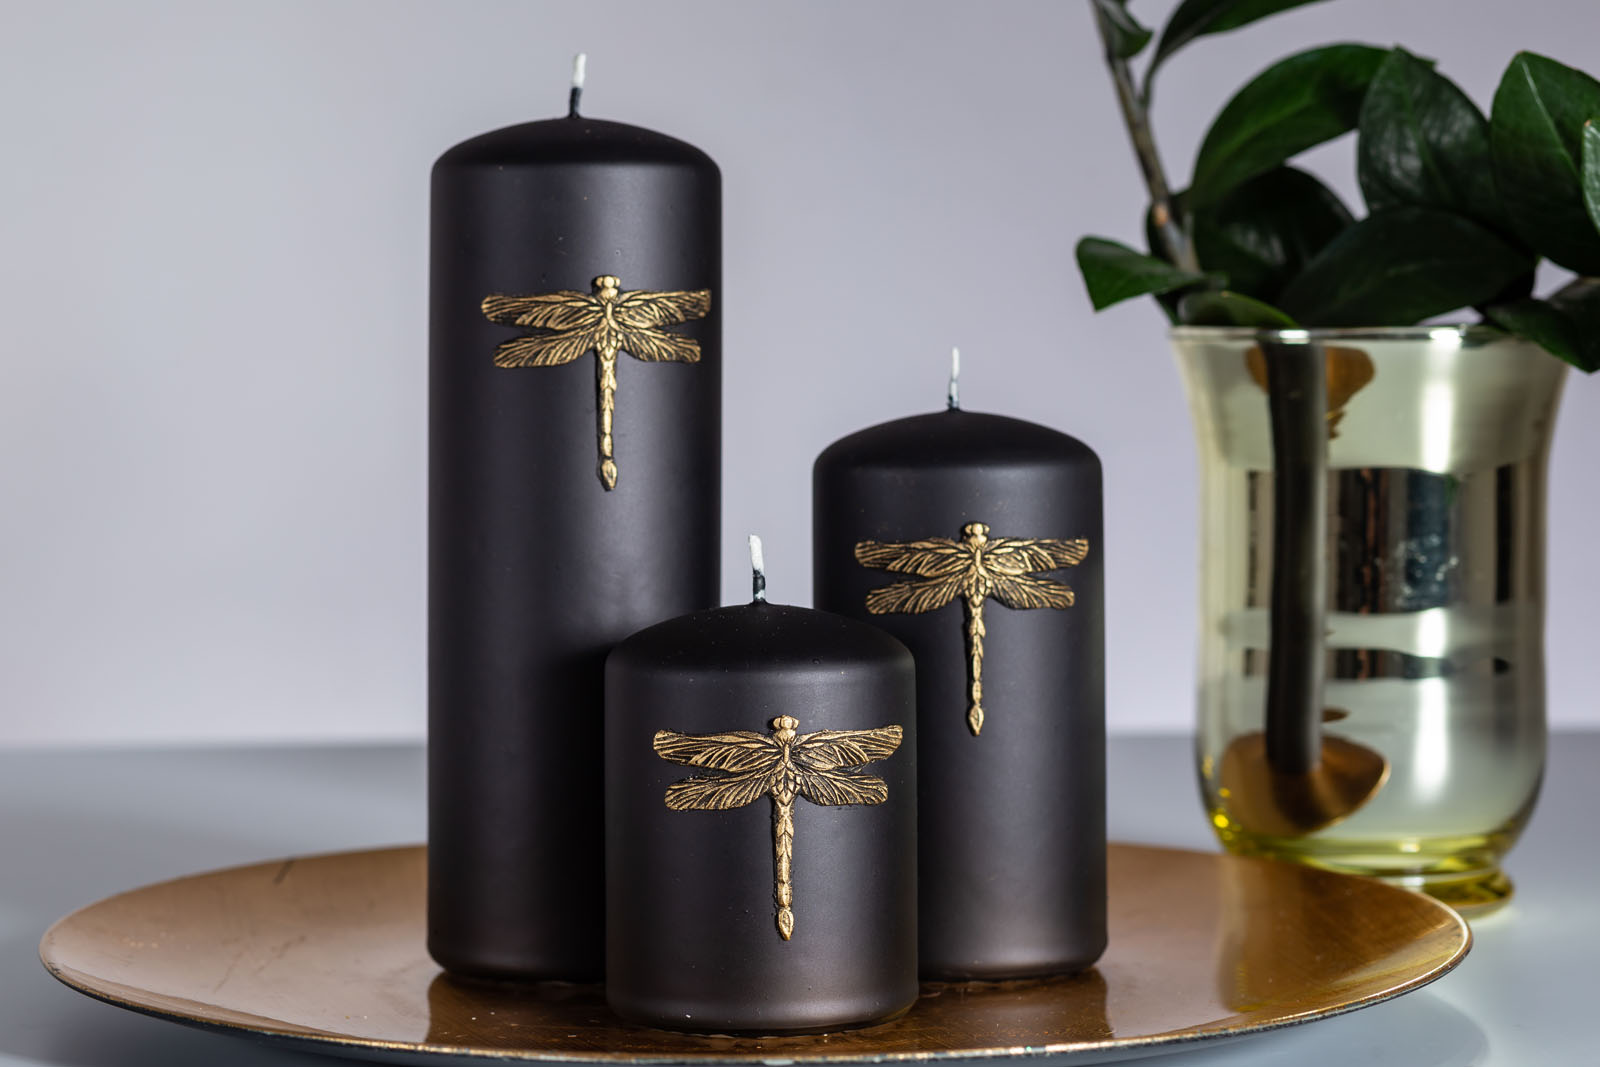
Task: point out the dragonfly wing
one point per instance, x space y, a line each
1013 555
933 558
642 309
839 788
718 793
914 597
827 749
657 346
543 350
1023 591
551 311
735 752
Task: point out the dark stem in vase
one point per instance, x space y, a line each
1297 403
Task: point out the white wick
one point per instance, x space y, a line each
579 61
758 571
953 397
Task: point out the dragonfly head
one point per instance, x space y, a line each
785 726
606 286
975 532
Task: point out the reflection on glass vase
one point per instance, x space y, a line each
1371 690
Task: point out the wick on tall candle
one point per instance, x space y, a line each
579 62
953 397
758 571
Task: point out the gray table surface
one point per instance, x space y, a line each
79 825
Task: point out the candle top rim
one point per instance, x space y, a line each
958 438
759 636
572 139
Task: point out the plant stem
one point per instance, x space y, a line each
1169 230
1297 404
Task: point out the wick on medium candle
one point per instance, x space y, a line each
953 397
758 571
579 62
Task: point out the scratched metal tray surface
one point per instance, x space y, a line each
326 953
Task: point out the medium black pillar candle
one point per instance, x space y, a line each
976 540
761 822
575 450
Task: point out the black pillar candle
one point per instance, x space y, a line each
976 540
575 457
760 822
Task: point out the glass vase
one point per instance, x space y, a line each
1372 536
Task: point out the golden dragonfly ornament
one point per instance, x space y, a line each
605 322
974 568
784 766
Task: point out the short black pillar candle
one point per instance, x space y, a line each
760 823
967 536
575 451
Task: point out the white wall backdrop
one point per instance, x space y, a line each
213 225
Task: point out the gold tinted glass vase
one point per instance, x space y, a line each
1371 690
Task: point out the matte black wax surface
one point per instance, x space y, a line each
535 570
693 942
1012 821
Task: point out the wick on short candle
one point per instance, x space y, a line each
953 397
579 62
758 571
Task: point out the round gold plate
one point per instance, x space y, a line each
327 952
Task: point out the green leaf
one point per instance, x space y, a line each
1536 138
1291 106
1263 232
1231 309
1114 272
1127 37
1579 300
1591 170
1196 18
1401 265
1567 325
1521 288
1551 328
1422 142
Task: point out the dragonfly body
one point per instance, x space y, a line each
605 322
976 587
784 791
784 766
974 568
606 389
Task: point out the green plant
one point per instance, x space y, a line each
1460 208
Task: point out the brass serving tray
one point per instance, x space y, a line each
326 952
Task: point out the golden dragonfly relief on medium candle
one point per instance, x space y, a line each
973 569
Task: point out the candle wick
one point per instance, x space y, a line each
953 397
579 62
758 572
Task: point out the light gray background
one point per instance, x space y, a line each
213 243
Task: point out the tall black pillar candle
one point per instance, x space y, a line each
761 821
575 454
976 540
